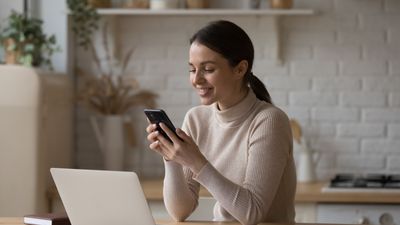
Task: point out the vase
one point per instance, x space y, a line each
251 4
110 136
11 57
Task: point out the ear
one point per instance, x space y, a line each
241 69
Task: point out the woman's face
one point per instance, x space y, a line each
213 78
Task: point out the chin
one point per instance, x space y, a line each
206 101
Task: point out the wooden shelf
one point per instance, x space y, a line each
275 15
206 12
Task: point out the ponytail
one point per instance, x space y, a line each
258 88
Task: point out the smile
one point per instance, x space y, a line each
203 91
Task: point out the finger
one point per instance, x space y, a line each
158 147
150 128
155 146
170 134
153 136
164 142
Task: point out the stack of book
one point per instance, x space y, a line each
47 219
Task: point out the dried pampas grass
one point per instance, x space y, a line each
105 96
110 93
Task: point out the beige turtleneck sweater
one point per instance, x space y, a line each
250 169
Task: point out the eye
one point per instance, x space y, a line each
192 70
209 70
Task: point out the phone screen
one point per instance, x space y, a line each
156 116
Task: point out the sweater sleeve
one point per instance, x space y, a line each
269 146
180 191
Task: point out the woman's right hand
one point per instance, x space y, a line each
152 133
152 137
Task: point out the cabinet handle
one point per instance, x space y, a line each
386 219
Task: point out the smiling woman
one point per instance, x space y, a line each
237 144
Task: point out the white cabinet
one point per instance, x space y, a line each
358 213
35 134
306 212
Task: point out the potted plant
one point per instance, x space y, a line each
25 42
106 92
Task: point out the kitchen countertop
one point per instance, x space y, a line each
306 193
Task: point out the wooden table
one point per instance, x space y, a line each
19 221
305 193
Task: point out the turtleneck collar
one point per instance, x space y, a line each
238 112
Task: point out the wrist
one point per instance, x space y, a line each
198 165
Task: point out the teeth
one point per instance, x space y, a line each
203 91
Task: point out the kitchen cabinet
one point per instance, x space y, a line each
311 202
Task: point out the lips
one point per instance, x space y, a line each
203 91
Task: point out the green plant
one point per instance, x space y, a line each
85 21
24 37
108 91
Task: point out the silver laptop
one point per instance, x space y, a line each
102 197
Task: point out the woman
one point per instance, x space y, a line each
237 144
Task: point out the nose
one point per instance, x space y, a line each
198 77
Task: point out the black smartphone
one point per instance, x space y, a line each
157 116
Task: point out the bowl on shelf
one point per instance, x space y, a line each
164 4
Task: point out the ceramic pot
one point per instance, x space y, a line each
11 57
100 3
280 4
110 136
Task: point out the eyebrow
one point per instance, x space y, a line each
205 62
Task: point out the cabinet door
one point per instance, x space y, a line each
305 212
357 213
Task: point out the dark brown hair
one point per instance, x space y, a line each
232 42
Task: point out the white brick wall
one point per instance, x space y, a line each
364 68
340 79
336 83
361 130
380 145
312 68
394 130
362 99
361 163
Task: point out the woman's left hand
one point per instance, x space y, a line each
184 152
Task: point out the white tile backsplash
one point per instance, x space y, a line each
340 79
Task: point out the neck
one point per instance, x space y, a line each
234 100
